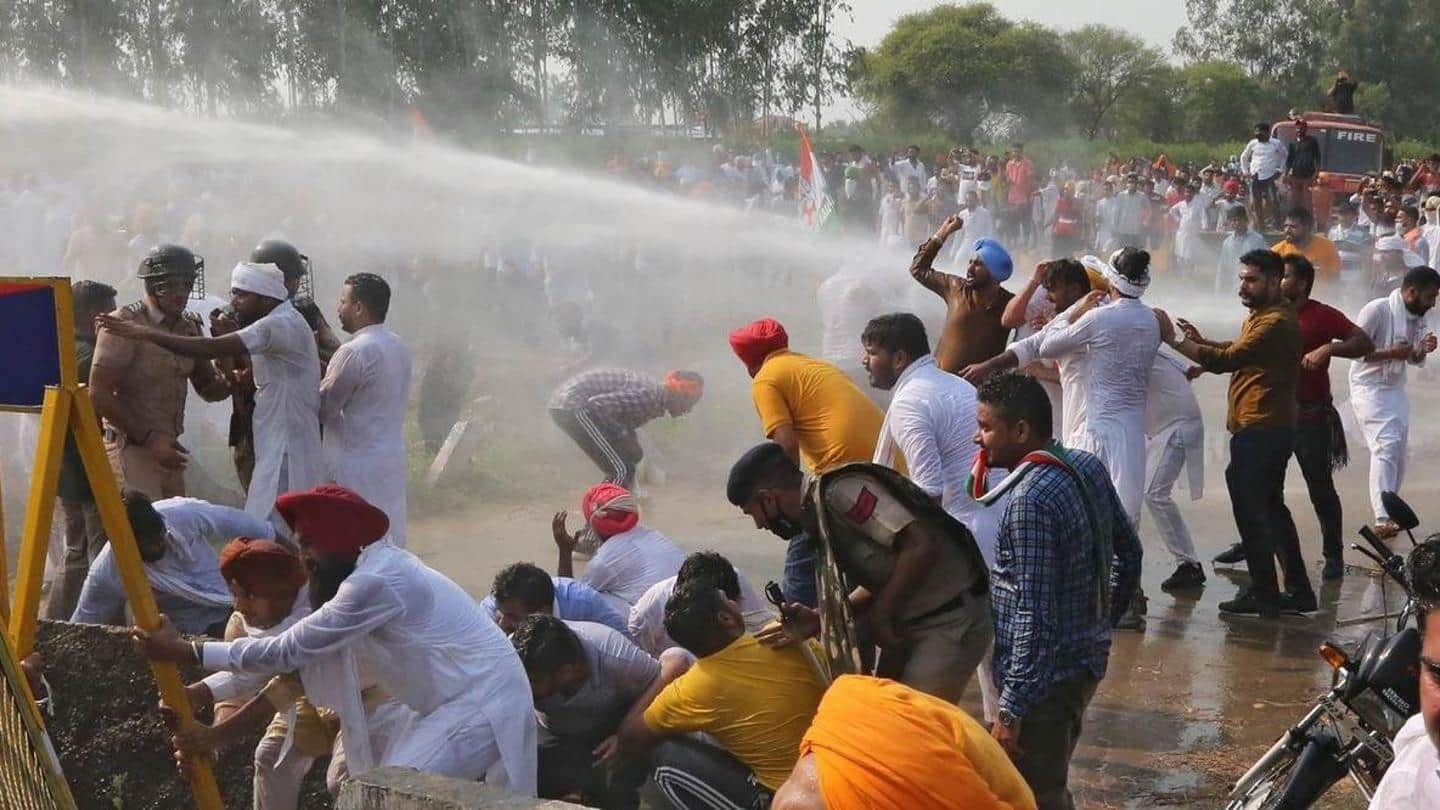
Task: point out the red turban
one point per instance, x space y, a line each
756 340
262 567
332 518
609 509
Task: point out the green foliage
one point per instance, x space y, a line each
1218 100
472 64
953 65
1109 64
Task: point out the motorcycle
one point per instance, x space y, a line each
1375 689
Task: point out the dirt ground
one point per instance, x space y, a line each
112 746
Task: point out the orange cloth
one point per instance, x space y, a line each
262 567
683 384
609 509
1320 251
880 745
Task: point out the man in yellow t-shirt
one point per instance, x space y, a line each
880 745
755 701
806 405
1300 238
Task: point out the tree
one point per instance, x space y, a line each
1109 64
1279 42
1152 111
954 65
1219 101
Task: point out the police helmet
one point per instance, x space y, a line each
170 260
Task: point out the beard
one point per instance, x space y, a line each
326 578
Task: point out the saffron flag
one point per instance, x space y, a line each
817 208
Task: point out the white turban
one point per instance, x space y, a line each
1388 243
260 279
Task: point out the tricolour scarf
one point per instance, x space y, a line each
1052 453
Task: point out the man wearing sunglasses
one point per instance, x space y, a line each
139 388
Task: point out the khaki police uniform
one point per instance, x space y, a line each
945 620
153 382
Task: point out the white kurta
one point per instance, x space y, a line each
1073 370
1377 394
362 408
1413 779
1120 340
627 564
431 647
931 422
646 624
286 424
1227 265
1174 443
186 580
1038 312
1189 220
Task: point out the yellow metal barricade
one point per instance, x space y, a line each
65 408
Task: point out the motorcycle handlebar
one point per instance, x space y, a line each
1376 543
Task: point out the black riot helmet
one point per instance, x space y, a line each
291 262
173 260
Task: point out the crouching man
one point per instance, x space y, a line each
755 701
462 693
268 583
585 677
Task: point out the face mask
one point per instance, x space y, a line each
776 522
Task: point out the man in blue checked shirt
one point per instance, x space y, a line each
1067 563
522 590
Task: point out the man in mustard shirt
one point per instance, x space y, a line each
815 412
755 701
1301 239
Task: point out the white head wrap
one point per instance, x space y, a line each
1388 243
1133 288
260 279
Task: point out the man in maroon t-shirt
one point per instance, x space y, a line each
1319 438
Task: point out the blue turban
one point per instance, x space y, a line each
995 258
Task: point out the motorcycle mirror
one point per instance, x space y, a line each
1399 511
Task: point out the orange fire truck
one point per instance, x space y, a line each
1350 148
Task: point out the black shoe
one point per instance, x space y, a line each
1231 556
1247 604
1334 569
1187 575
1302 602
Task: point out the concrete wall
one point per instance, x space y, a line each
409 789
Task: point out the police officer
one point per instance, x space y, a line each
296 268
139 388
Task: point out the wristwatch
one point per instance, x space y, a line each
1007 719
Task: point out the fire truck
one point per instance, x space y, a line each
1350 148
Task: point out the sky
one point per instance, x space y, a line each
1154 20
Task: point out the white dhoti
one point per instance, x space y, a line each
1179 447
1384 416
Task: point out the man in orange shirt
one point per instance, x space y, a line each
880 745
1300 238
